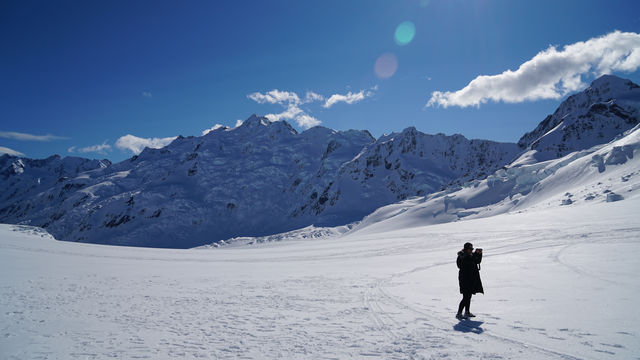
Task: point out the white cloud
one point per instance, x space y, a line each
290 113
275 97
311 97
28 137
307 121
291 101
137 144
100 149
147 94
296 114
350 97
6 150
292 104
214 127
550 74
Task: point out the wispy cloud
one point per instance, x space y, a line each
28 137
350 97
311 97
99 149
291 113
275 97
290 100
550 74
293 104
147 94
137 144
307 121
6 150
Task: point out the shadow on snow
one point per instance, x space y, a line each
466 325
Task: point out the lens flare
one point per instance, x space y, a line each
405 33
385 66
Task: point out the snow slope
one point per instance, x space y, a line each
603 173
561 283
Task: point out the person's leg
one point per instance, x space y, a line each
468 305
463 303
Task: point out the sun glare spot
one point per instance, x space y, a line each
385 66
405 33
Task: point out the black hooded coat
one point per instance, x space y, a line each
469 275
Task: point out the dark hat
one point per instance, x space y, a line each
468 246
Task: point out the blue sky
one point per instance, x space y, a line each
80 75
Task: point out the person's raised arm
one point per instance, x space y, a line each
477 256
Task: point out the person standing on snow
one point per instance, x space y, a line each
468 277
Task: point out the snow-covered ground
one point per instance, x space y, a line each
561 283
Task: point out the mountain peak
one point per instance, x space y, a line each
256 121
610 85
594 116
608 79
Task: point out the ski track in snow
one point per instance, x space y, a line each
387 295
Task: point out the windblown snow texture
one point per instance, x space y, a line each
263 177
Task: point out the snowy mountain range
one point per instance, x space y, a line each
264 177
